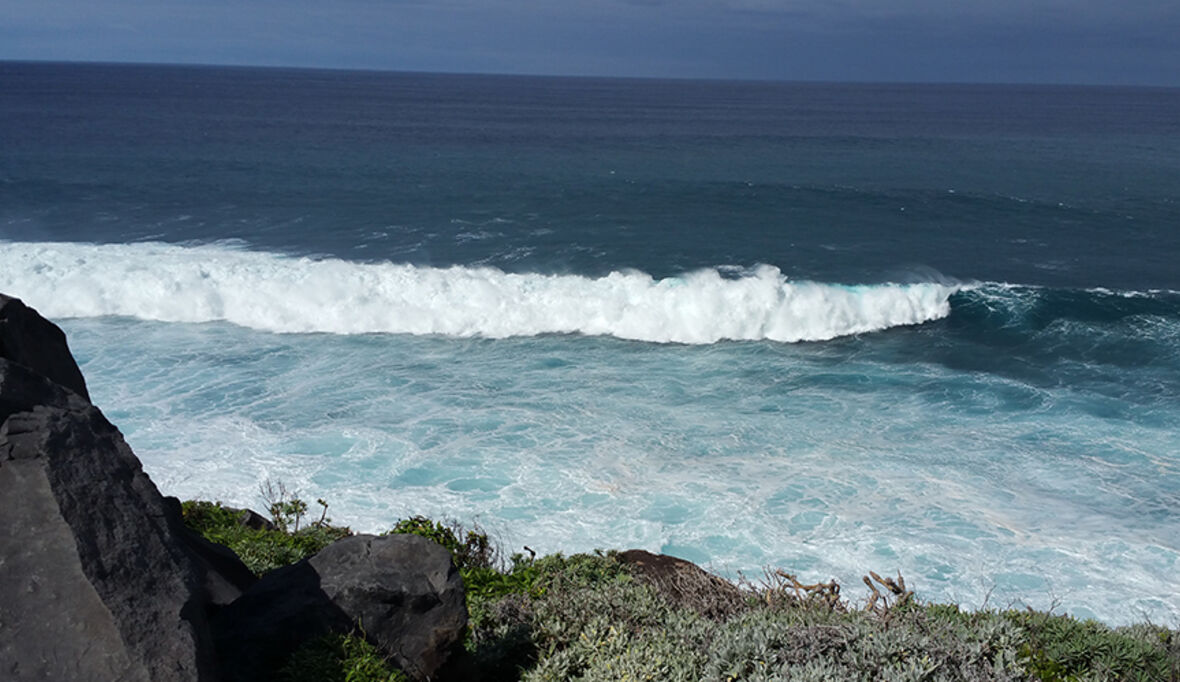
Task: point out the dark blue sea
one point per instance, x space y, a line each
830 328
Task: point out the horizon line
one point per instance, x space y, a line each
702 79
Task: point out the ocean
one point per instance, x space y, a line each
828 328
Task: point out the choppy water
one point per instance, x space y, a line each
832 328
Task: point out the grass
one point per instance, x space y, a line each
339 658
261 549
591 617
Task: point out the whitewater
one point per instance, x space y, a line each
271 292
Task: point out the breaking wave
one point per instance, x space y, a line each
278 293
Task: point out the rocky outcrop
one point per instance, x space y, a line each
96 584
403 591
98 580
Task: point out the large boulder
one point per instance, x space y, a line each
95 583
402 591
99 580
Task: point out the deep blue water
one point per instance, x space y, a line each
829 327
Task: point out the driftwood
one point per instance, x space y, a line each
827 594
900 595
780 586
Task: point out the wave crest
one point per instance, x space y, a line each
278 293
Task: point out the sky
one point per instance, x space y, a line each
1125 42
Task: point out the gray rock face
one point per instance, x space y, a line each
95 584
53 624
30 340
98 580
403 590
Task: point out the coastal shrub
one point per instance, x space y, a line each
339 658
287 509
506 633
470 549
1062 647
556 571
488 584
626 630
1166 641
262 550
485 578
209 517
529 579
587 617
615 629
769 644
603 651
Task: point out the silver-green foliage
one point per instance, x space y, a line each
615 632
770 644
626 631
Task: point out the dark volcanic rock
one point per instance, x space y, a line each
99 579
22 390
402 589
226 577
30 340
252 519
95 583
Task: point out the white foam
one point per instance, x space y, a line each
277 293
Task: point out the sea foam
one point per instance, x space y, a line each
278 293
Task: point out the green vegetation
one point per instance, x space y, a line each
1062 648
474 551
261 549
339 658
587 617
593 617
